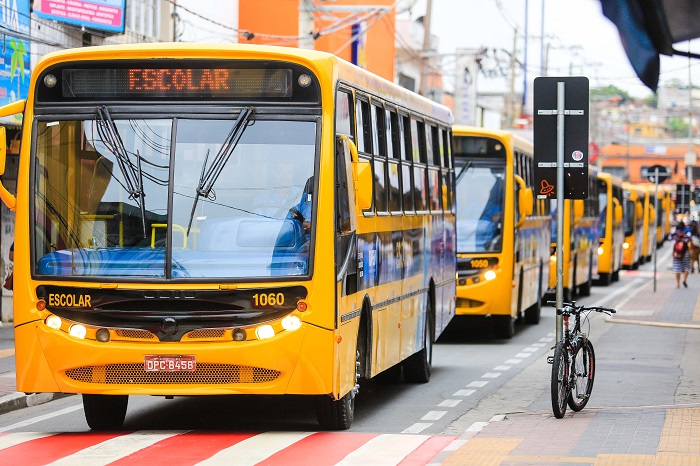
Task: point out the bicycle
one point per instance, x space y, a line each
573 363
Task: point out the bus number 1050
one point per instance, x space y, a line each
268 299
478 263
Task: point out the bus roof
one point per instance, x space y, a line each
502 135
326 65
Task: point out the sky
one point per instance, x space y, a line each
581 41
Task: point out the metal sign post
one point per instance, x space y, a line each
560 207
660 174
567 168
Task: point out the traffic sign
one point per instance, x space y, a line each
575 137
664 173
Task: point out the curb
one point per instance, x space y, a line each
19 400
653 323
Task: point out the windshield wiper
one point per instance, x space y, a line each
133 176
463 171
209 175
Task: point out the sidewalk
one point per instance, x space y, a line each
654 421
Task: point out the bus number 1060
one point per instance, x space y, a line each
268 299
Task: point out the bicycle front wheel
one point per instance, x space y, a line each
560 380
584 373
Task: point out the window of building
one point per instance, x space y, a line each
142 17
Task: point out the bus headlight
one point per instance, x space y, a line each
53 321
239 335
553 258
77 331
601 251
290 323
102 335
490 275
625 245
264 331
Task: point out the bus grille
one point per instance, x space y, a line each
134 374
468 303
209 333
136 334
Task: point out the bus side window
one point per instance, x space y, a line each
345 263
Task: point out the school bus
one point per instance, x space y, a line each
663 219
650 229
502 236
612 234
579 244
633 215
227 219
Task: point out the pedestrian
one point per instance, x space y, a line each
681 258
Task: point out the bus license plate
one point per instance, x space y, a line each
169 363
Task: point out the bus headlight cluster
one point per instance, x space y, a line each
77 331
53 321
490 275
601 251
290 323
625 245
264 331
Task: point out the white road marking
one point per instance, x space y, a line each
478 383
450 403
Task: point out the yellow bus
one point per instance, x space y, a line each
502 241
612 232
579 244
227 219
633 215
663 219
650 230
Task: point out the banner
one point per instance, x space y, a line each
14 55
103 15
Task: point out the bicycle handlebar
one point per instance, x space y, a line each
572 308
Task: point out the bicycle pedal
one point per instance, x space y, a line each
550 359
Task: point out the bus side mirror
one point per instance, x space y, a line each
617 211
3 149
578 210
8 110
362 177
525 200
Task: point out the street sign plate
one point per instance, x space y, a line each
664 173
575 137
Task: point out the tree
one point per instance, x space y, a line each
677 126
609 92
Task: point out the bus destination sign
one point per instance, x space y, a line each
141 82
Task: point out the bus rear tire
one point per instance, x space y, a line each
418 366
105 412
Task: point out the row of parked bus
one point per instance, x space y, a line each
197 219
507 261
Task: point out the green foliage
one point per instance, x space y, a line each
609 92
677 126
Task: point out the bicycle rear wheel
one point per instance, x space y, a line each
560 380
584 373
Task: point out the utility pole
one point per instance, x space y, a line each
510 108
690 159
306 25
423 85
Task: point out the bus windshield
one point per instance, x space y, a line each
118 202
480 218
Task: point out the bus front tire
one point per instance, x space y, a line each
335 414
505 326
105 412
